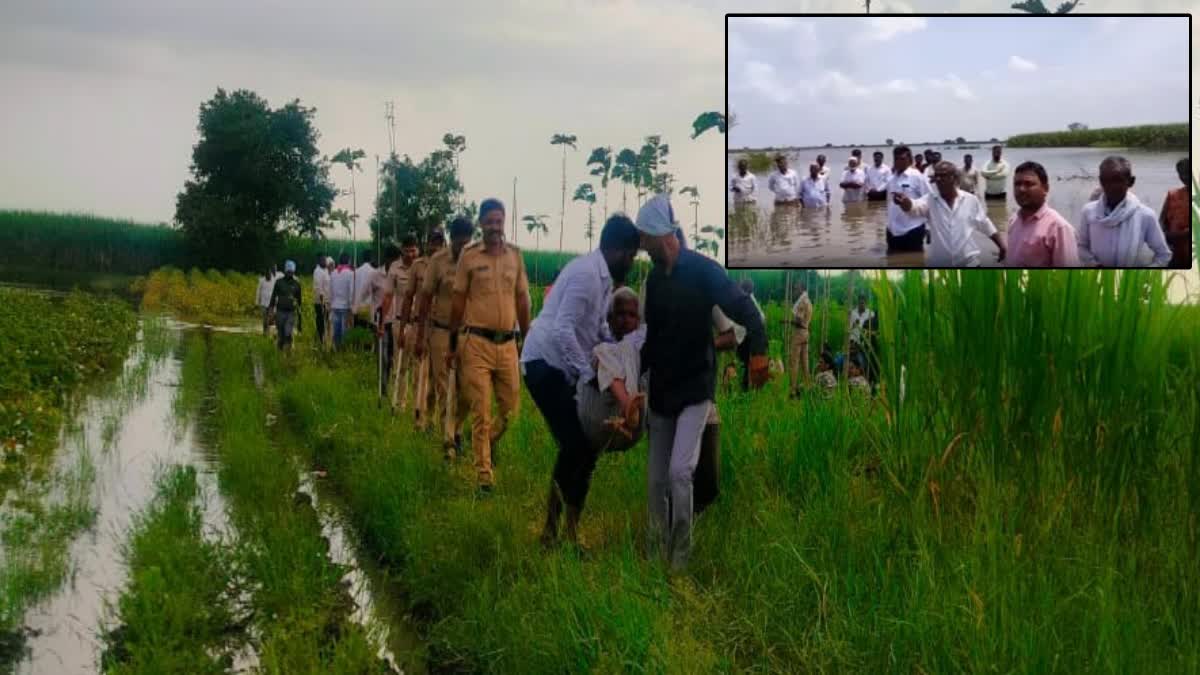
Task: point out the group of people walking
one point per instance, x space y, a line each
934 202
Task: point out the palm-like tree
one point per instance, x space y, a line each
625 168
349 158
564 140
652 155
601 162
537 226
585 193
694 193
706 121
711 243
1036 7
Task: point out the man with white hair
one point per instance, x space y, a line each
558 355
854 180
681 290
952 215
1115 226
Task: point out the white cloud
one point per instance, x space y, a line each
954 85
882 29
1021 65
901 86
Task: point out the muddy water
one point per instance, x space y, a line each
852 235
129 438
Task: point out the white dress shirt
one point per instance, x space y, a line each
913 185
341 288
747 185
950 228
320 285
362 286
265 288
573 319
814 192
786 186
854 194
858 321
878 177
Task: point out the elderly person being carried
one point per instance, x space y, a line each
612 406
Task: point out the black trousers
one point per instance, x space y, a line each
999 197
706 482
913 240
877 195
319 316
555 399
743 355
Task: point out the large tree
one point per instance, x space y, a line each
417 197
565 140
256 175
601 162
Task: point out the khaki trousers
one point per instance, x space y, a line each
798 357
488 368
445 387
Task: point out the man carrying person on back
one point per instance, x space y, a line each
681 290
558 354
286 303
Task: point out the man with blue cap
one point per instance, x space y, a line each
491 299
285 300
681 291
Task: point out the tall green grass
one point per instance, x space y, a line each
1154 136
1029 504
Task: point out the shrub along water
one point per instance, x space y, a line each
1152 136
1022 495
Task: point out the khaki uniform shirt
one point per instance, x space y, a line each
438 284
416 276
492 284
398 274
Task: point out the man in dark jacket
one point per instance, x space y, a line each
681 290
285 300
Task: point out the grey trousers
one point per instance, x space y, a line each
674 453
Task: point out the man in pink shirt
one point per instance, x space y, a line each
1037 235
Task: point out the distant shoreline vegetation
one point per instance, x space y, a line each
1150 136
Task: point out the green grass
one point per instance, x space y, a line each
179 611
300 612
1030 505
1152 136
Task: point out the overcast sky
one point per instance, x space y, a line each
101 97
817 80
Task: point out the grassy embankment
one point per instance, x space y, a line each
295 611
1149 136
1031 503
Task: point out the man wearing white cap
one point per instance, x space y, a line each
286 302
681 291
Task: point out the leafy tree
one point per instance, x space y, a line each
564 140
694 192
890 142
960 140
349 159
651 156
1036 7
602 164
947 142
456 145
1077 126
712 242
585 193
536 225
829 145
994 140
625 168
706 121
417 197
256 174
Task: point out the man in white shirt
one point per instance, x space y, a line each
934 157
905 232
1115 227
266 284
878 175
854 180
822 170
362 292
341 297
320 296
995 174
784 182
859 316
968 177
743 185
814 190
952 215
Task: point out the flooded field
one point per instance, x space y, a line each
852 235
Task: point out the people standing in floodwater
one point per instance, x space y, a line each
878 175
968 177
919 164
995 175
952 215
1114 227
1176 217
743 185
814 190
931 160
1038 236
854 180
784 182
905 231
823 169
855 155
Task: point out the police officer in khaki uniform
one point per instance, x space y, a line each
802 312
433 310
398 273
491 298
423 402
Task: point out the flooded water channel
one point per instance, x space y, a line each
852 235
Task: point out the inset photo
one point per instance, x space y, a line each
958 141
